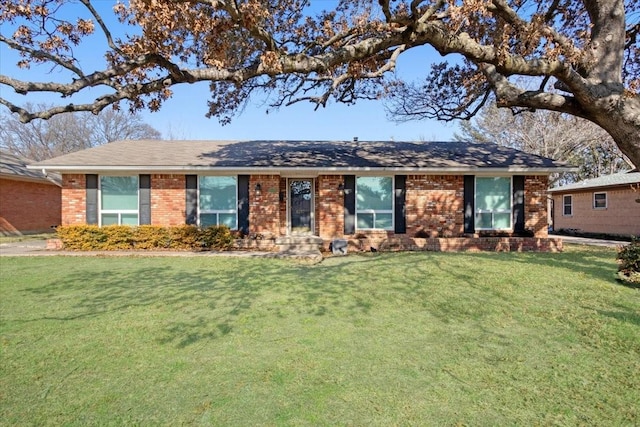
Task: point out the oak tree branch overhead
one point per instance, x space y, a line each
579 57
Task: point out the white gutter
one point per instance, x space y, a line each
309 170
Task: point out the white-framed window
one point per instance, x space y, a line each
567 205
218 201
600 200
493 202
374 203
119 200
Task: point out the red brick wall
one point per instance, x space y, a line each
168 200
74 199
329 206
434 205
535 205
264 207
282 205
28 207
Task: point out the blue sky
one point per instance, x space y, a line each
183 116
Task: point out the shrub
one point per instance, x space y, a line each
123 237
629 262
118 237
152 237
217 237
82 237
185 237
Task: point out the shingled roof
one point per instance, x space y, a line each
256 156
13 166
613 180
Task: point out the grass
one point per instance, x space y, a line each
383 339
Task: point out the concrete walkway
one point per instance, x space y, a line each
591 242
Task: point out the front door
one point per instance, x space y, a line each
301 206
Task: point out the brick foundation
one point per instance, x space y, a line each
454 244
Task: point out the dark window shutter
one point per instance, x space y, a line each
144 199
191 202
92 198
243 204
349 204
400 221
518 203
469 203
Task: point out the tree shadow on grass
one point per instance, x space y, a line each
205 299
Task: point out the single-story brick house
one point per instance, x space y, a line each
608 204
426 195
29 200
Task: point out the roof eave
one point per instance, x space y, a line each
316 170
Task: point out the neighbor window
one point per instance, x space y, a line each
374 203
567 205
600 200
493 203
118 200
218 201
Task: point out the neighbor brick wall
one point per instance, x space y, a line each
264 208
168 200
535 205
434 204
622 215
74 199
28 207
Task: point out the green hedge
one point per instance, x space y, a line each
124 237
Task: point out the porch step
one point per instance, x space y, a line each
299 244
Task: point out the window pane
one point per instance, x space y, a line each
129 219
483 220
501 220
364 220
384 221
109 219
119 192
567 202
228 219
493 193
374 193
218 193
208 219
600 200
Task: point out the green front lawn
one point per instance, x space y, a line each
381 339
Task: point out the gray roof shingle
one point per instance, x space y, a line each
337 155
14 166
617 179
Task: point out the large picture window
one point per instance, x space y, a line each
374 203
493 203
218 201
119 200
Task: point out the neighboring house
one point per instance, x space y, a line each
608 204
30 202
427 195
